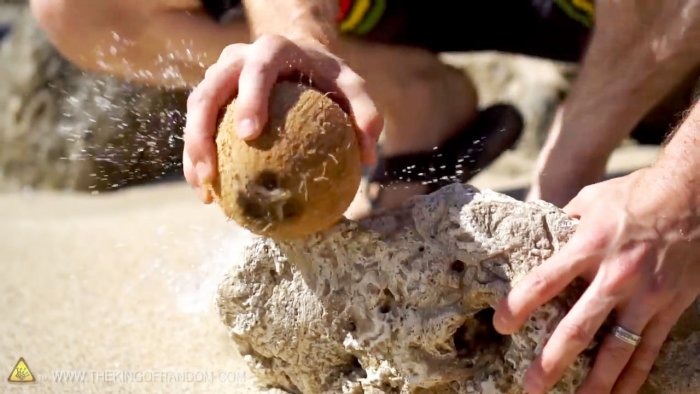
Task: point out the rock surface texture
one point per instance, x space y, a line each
401 302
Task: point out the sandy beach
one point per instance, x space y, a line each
115 292
117 283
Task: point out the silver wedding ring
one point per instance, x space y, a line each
626 336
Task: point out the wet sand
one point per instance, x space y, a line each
120 287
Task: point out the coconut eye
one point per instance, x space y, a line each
251 207
268 180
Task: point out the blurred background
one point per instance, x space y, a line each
108 262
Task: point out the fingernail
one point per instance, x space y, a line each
500 322
246 128
205 194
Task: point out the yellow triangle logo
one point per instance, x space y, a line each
21 373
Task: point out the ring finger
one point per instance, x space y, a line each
572 335
655 334
614 353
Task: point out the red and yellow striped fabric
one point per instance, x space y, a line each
582 11
360 16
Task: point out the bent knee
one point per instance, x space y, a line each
77 28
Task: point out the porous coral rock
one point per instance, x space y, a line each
401 302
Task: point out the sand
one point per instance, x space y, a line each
118 289
117 283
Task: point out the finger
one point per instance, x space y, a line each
364 112
541 285
203 107
188 170
653 337
613 353
578 204
572 335
232 51
258 76
203 189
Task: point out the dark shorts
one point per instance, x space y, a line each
555 29
4 30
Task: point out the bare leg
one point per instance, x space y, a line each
423 101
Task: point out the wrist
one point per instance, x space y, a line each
679 176
308 39
680 158
672 200
299 21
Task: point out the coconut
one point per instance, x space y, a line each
299 175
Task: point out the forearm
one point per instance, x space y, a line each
636 56
680 160
294 19
168 42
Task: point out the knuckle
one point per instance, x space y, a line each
188 172
193 145
550 372
271 42
260 64
231 50
588 192
576 333
199 97
211 70
629 265
196 97
614 283
357 81
353 82
539 283
591 242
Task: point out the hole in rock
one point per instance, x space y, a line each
387 302
477 336
389 388
457 266
354 367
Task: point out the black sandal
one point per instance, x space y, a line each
495 130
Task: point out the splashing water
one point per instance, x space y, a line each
65 129
194 290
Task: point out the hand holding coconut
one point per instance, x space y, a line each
248 72
299 176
